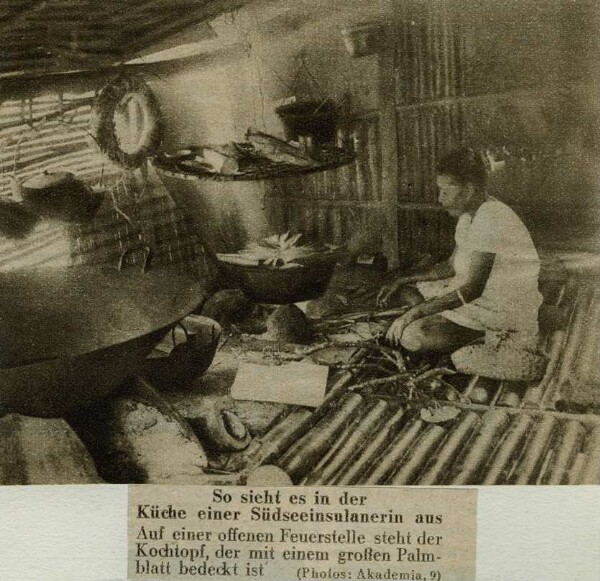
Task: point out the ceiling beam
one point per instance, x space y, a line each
23 85
210 10
70 51
79 56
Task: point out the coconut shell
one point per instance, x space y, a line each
223 431
268 475
479 395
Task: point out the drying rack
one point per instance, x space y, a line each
324 159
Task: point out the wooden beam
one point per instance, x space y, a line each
66 17
207 12
158 7
81 56
165 18
22 52
389 148
326 203
16 34
541 92
365 204
19 64
145 24
22 85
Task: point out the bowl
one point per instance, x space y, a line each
191 353
305 279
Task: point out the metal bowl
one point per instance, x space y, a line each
68 336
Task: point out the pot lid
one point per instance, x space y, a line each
49 313
48 180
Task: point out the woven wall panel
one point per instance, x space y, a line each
49 133
337 206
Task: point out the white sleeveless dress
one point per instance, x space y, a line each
511 298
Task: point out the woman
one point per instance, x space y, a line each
488 285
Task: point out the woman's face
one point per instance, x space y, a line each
455 197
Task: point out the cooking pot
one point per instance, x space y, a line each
306 280
69 336
16 221
60 195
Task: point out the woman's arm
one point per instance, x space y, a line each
479 271
441 270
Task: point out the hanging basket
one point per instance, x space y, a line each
314 119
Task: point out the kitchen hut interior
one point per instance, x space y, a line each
200 200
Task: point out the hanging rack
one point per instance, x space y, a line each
326 159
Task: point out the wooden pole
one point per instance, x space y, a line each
567 449
507 449
389 147
425 446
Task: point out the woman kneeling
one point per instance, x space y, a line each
490 282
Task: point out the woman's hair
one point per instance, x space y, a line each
464 164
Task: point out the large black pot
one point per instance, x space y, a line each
304 281
61 196
16 221
315 119
69 336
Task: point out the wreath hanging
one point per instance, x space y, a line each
127 122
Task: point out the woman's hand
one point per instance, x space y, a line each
394 333
388 290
